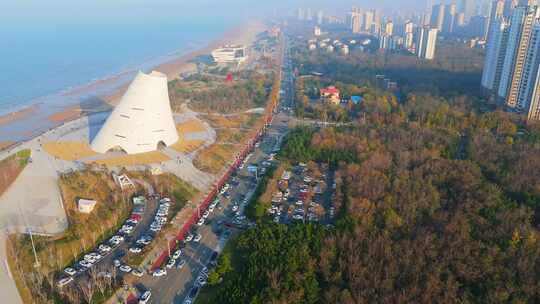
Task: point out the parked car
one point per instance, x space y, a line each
177 254
180 264
63 282
135 249
159 273
170 263
125 268
197 238
70 271
137 272
145 297
189 237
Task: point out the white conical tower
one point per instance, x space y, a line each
142 120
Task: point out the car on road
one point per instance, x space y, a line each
63 282
159 272
85 264
180 264
193 292
137 272
125 268
197 238
70 271
104 248
145 297
170 263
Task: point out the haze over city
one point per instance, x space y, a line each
270 152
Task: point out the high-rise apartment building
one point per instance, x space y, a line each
511 70
468 8
389 28
300 14
369 18
449 21
437 16
409 34
354 20
495 54
426 42
478 26
320 17
521 24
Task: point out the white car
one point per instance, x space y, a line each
125 268
211 208
159 273
234 208
170 263
117 263
70 271
189 237
85 264
206 214
200 222
104 248
177 254
197 238
137 273
63 282
145 297
135 250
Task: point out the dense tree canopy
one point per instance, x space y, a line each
436 203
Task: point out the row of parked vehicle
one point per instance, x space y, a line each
90 259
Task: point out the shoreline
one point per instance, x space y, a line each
101 95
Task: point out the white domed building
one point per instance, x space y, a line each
142 121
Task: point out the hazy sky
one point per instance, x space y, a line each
35 11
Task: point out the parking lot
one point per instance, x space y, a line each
304 194
109 259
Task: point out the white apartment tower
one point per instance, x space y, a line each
495 54
426 42
511 70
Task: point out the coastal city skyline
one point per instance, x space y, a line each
201 152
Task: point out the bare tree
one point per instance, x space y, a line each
87 287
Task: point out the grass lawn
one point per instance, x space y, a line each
69 150
153 157
214 158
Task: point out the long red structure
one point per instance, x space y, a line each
269 115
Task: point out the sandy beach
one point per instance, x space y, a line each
36 119
13 116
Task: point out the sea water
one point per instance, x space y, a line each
50 47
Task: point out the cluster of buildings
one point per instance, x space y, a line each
330 45
230 54
385 83
511 75
332 95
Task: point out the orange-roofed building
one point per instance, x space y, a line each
331 94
